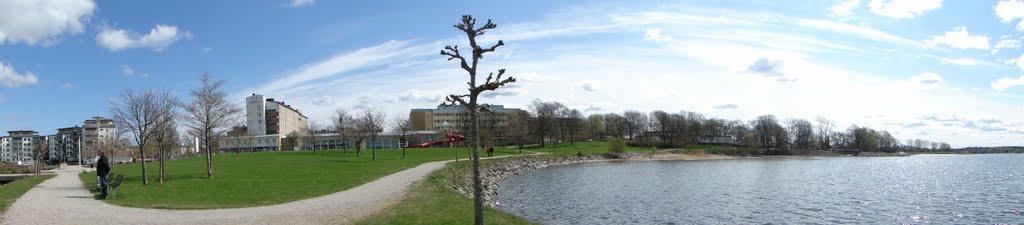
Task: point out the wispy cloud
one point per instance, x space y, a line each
301 3
1006 83
903 9
859 31
127 70
959 38
844 9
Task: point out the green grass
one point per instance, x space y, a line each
265 178
432 202
12 191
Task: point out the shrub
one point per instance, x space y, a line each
617 145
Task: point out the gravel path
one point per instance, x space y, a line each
64 200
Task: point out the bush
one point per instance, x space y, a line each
617 145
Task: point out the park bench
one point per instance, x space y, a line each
114 184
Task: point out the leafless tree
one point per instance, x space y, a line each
309 135
39 150
166 136
209 115
824 133
519 128
546 119
371 123
140 114
403 127
470 100
344 125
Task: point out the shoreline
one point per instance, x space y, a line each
498 170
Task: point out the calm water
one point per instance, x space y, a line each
941 189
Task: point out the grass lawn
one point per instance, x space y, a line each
431 202
12 191
264 178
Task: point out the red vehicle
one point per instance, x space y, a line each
449 138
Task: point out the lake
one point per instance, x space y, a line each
917 189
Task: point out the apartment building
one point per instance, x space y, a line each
267 122
96 133
18 146
65 146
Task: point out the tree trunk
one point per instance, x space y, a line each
162 156
403 152
145 180
478 197
209 161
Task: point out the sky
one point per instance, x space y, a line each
948 71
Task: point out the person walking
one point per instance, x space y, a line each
490 151
102 169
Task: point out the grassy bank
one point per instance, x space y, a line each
432 202
265 178
567 148
12 191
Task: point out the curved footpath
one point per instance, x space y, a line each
64 200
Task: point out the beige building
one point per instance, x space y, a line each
456 118
267 123
97 133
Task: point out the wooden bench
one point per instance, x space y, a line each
114 184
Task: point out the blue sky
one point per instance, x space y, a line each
938 70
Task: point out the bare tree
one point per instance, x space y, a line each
209 115
371 123
166 136
470 66
140 114
519 128
343 125
403 127
39 150
309 135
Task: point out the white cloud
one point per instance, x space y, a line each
1006 42
35 22
1019 61
655 35
12 79
67 85
959 38
418 96
926 80
323 101
960 61
1009 10
158 38
903 9
727 106
843 9
300 3
127 70
861 31
1006 83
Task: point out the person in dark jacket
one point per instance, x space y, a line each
102 169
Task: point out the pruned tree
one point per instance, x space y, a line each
343 125
166 136
468 26
210 115
140 113
40 148
403 127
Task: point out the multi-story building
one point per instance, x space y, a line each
96 133
267 123
65 146
456 118
18 146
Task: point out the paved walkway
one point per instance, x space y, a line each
64 200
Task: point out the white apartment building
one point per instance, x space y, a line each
17 147
267 122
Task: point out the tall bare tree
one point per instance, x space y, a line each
343 125
468 26
403 127
40 148
519 128
371 123
166 136
140 114
209 115
309 135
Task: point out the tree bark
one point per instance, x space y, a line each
478 197
145 179
162 156
209 161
